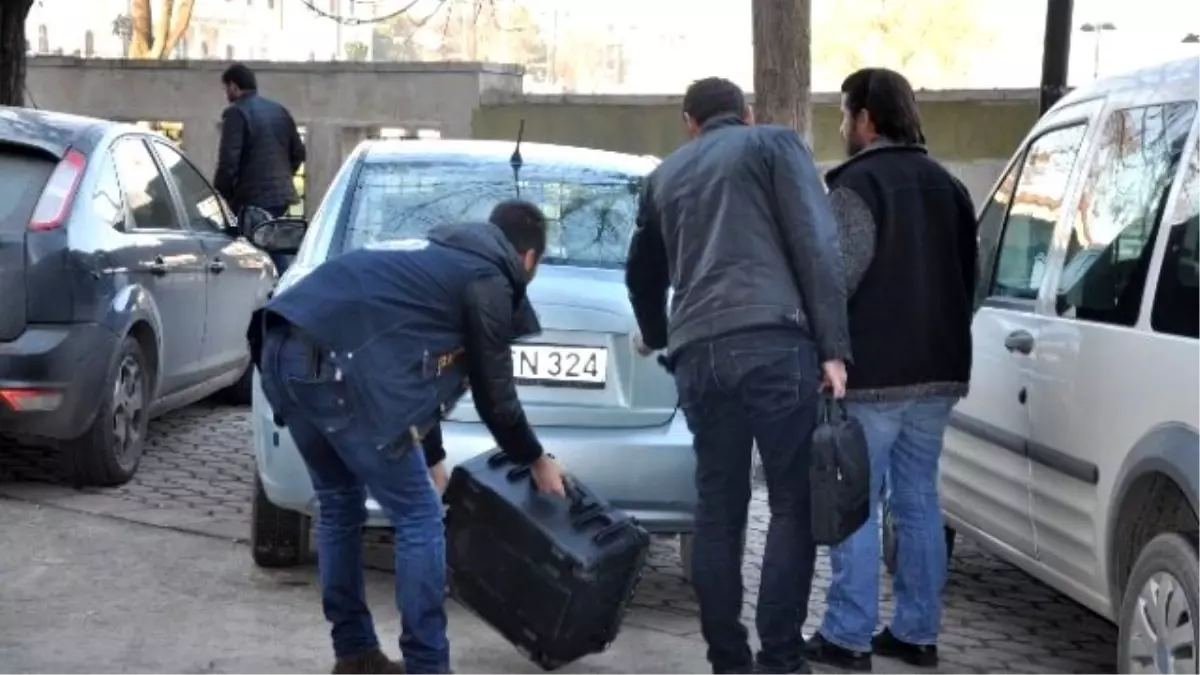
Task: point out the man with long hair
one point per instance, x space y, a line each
907 231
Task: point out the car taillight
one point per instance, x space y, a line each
55 202
31 400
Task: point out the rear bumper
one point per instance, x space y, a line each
71 358
648 473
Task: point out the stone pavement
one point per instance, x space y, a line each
196 477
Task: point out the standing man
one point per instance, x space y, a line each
361 358
737 223
909 237
260 148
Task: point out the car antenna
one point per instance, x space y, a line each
515 161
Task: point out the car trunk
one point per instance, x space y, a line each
582 369
23 174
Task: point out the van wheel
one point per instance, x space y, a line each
278 537
240 392
109 452
888 531
1158 615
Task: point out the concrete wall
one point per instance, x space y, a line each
339 104
973 132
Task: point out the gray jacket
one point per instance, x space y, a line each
737 222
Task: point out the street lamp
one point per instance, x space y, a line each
1098 29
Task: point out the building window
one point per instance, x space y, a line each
43 39
204 50
229 52
89 44
181 48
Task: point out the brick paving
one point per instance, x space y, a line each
199 466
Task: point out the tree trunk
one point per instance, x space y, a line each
782 63
183 19
12 50
142 33
161 27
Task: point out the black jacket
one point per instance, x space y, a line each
736 221
260 152
909 236
411 325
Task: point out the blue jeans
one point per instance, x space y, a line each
735 391
304 392
904 439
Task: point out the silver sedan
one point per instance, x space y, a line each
609 415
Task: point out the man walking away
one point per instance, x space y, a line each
260 148
908 234
736 221
361 359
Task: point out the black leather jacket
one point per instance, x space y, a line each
260 152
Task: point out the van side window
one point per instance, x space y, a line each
1124 195
1032 213
1177 299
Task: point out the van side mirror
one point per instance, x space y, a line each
280 235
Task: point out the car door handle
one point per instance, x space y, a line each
216 266
1019 341
158 267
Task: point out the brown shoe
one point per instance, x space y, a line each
374 662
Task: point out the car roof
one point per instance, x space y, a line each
48 131
1172 80
385 151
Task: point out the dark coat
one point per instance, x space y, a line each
260 152
407 325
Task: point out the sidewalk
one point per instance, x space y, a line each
87 594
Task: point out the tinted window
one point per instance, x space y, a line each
201 206
1033 210
146 192
1177 299
1124 194
108 205
23 174
590 211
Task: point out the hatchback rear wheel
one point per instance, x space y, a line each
109 452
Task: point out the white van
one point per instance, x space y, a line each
1076 455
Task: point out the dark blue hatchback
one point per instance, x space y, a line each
125 290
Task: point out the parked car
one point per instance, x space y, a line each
125 289
608 414
1076 455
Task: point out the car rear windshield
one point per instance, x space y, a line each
23 174
590 211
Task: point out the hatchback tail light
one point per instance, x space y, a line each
55 203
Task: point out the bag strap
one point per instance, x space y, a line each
831 410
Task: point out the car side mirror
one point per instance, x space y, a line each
280 235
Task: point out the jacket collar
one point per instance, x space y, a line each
486 241
879 145
722 121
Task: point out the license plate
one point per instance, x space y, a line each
560 366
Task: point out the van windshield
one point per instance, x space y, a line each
590 212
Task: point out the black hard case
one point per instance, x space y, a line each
552 575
